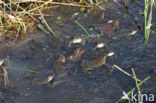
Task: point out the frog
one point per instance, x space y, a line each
61 60
35 45
100 48
47 79
108 28
91 65
76 40
59 72
76 55
59 67
61 76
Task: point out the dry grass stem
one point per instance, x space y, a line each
115 66
17 16
137 85
4 77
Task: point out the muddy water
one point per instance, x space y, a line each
39 52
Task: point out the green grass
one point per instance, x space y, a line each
148 18
46 23
81 26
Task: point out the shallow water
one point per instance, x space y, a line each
39 53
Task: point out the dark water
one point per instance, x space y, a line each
39 52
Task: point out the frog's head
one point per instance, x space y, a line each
76 39
100 45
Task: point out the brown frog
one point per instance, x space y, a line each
35 45
88 66
108 28
59 62
60 69
61 73
76 56
76 40
45 80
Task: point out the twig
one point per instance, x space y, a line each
32 71
46 23
25 12
5 75
123 72
137 85
50 2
